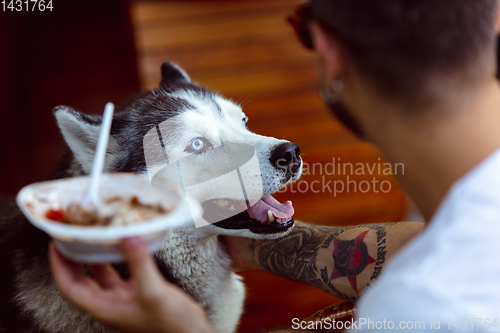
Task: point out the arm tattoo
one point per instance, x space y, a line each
295 256
380 252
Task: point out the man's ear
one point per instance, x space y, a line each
330 53
497 21
172 74
81 131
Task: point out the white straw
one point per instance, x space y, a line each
99 156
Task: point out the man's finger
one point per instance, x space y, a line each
65 272
141 263
237 248
75 285
106 276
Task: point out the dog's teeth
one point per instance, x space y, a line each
270 216
222 203
279 220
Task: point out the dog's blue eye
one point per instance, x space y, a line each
245 121
198 145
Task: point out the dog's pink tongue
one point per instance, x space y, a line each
259 210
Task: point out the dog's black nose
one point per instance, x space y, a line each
286 157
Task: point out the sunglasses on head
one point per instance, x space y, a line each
299 21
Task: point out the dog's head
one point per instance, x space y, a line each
191 136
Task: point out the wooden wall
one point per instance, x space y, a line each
81 54
247 52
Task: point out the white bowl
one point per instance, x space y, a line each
99 244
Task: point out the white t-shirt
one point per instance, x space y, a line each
450 272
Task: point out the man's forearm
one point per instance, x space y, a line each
339 260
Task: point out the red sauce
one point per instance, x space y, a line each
55 215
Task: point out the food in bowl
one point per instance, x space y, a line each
113 212
95 243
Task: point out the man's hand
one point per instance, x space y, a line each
238 250
144 303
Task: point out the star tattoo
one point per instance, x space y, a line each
351 257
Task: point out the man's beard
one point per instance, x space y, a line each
341 112
338 108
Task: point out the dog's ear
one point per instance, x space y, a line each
81 132
172 74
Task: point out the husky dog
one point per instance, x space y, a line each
193 258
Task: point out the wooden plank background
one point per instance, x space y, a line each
58 58
247 52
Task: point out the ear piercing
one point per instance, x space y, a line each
332 93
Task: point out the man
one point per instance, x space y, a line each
416 78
